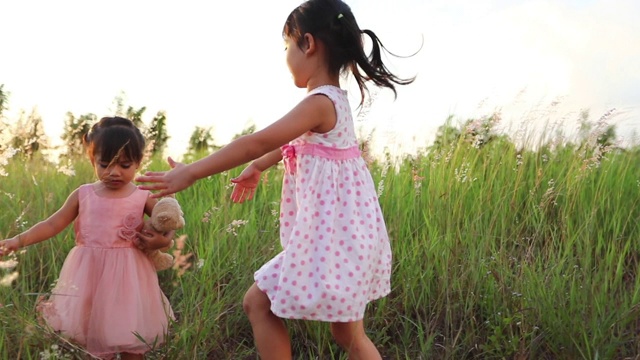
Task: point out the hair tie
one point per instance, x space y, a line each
340 16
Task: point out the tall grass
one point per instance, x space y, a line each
499 252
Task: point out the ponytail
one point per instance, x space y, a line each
333 23
374 68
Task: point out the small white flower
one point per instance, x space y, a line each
8 264
67 170
235 224
9 279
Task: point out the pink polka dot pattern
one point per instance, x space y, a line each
336 255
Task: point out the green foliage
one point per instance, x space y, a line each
499 252
28 136
246 131
136 116
200 142
156 134
75 128
4 100
473 132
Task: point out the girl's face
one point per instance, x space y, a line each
115 174
296 62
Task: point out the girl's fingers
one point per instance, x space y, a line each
241 193
235 195
150 179
244 194
152 187
250 195
157 174
238 179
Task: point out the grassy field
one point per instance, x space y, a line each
499 253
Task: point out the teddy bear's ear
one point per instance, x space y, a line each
168 221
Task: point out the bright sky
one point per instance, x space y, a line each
221 64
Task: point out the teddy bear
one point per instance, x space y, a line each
165 216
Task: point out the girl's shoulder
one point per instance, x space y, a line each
85 189
338 97
334 93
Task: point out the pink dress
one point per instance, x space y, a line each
108 289
336 255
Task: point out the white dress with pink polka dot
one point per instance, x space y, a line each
336 255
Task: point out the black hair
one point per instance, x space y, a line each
333 23
115 137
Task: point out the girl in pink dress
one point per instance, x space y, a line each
336 256
107 294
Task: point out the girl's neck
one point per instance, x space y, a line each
322 81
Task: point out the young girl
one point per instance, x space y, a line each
107 293
336 255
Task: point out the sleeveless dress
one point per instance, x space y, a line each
336 255
108 291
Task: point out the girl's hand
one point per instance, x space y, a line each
168 182
149 239
245 184
9 245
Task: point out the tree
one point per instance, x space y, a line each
608 137
136 116
74 132
118 104
28 135
480 132
157 134
201 141
446 136
596 139
4 100
246 131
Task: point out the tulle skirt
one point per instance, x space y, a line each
108 301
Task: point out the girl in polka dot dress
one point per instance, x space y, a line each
336 256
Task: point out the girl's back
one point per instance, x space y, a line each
343 134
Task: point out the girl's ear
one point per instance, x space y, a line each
310 44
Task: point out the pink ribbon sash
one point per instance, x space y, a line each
289 153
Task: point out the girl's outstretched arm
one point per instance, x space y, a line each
312 113
246 183
45 229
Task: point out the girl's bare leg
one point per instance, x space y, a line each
352 338
269 333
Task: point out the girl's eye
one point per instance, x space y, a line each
125 166
103 165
